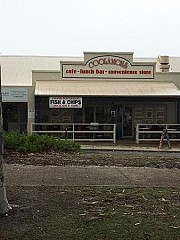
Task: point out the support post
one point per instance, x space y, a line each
137 133
114 129
73 131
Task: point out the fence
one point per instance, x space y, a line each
77 131
153 132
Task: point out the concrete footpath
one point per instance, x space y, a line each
131 146
27 175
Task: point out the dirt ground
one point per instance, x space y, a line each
91 212
91 159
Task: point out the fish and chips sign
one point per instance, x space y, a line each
108 67
65 102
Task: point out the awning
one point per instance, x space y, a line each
105 88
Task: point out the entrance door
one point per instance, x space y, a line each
119 122
89 114
127 122
14 116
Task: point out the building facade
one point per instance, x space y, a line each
101 87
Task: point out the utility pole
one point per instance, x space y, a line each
4 206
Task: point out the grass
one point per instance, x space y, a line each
100 213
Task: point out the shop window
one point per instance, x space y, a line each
160 115
55 116
100 116
61 115
66 116
138 115
78 116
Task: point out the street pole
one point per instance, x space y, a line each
4 206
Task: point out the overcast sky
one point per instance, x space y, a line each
69 27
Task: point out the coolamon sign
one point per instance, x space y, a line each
106 67
65 102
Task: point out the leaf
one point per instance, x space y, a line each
138 223
175 227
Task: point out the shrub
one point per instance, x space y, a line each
37 143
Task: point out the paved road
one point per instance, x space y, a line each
21 175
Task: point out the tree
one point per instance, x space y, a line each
4 205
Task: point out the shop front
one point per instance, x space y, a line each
125 113
107 88
14 106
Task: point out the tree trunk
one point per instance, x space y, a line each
4 206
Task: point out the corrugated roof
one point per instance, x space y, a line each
105 88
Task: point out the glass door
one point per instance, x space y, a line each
89 114
14 116
119 122
127 122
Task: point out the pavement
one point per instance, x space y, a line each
27 175
129 145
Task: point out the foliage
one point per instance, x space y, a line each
23 142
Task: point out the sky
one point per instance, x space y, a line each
70 27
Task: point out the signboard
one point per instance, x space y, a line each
65 102
108 67
14 94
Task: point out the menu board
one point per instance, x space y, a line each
160 114
138 115
149 115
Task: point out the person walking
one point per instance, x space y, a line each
165 135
